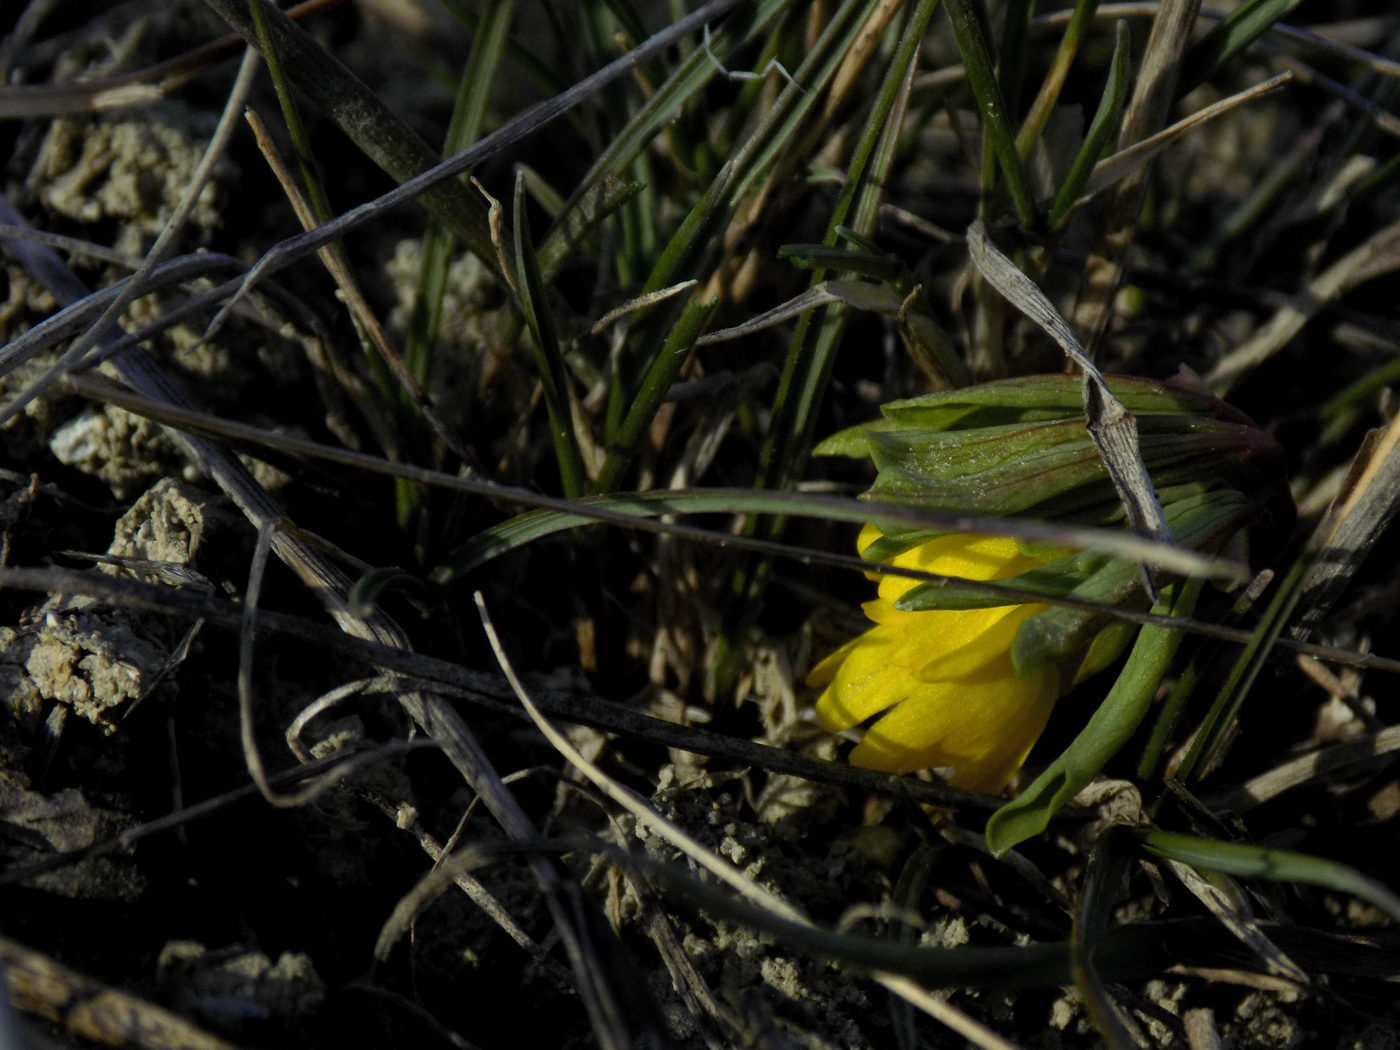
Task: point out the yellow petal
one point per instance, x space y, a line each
966 557
950 643
865 684
943 678
982 731
980 644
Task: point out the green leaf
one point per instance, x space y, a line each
1277 865
549 357
1110 727
1102 131
1058 635
1242 27
665 366
1030 399
847 260
977 61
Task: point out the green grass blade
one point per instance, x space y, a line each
694 72
1103 882
369 123
1276 865
1211 736
1103 129
699 235
553 516
981 77
812 352
468 116
781 133
575 223
291 115
1242 27
549 357
681 256
665 366
1054 81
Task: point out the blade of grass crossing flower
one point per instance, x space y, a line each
1261 862
1103 129
554 378
1110 727
1238 30
537 524
977 61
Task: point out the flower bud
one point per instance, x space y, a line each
965 681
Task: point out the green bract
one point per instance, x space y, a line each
1019 447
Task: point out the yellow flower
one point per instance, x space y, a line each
944 677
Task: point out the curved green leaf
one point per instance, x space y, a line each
1102 130
1115 721
1276 865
